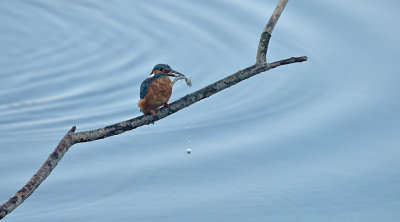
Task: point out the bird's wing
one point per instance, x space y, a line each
143 88
145 84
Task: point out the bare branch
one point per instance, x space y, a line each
287 61
71 138
267 32
181 103
275 16
39 176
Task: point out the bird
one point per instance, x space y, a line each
156 89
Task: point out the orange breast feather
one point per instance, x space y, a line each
158 94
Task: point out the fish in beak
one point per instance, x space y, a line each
179 76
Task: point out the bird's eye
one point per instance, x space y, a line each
165 69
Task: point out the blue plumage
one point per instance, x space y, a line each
160 67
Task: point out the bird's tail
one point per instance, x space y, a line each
143 106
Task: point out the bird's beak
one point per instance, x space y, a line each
175 73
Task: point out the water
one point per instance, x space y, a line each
315 141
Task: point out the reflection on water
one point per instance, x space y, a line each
315 141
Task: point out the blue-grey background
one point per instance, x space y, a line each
313 141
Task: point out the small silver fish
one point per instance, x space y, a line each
181 76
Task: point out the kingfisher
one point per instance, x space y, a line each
156 89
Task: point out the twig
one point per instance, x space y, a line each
71 138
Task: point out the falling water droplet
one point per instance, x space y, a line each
188 127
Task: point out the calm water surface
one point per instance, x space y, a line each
315 141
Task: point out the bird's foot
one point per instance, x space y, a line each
167 105
153 112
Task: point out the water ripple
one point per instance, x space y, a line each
316 139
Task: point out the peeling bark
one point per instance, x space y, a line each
71 138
